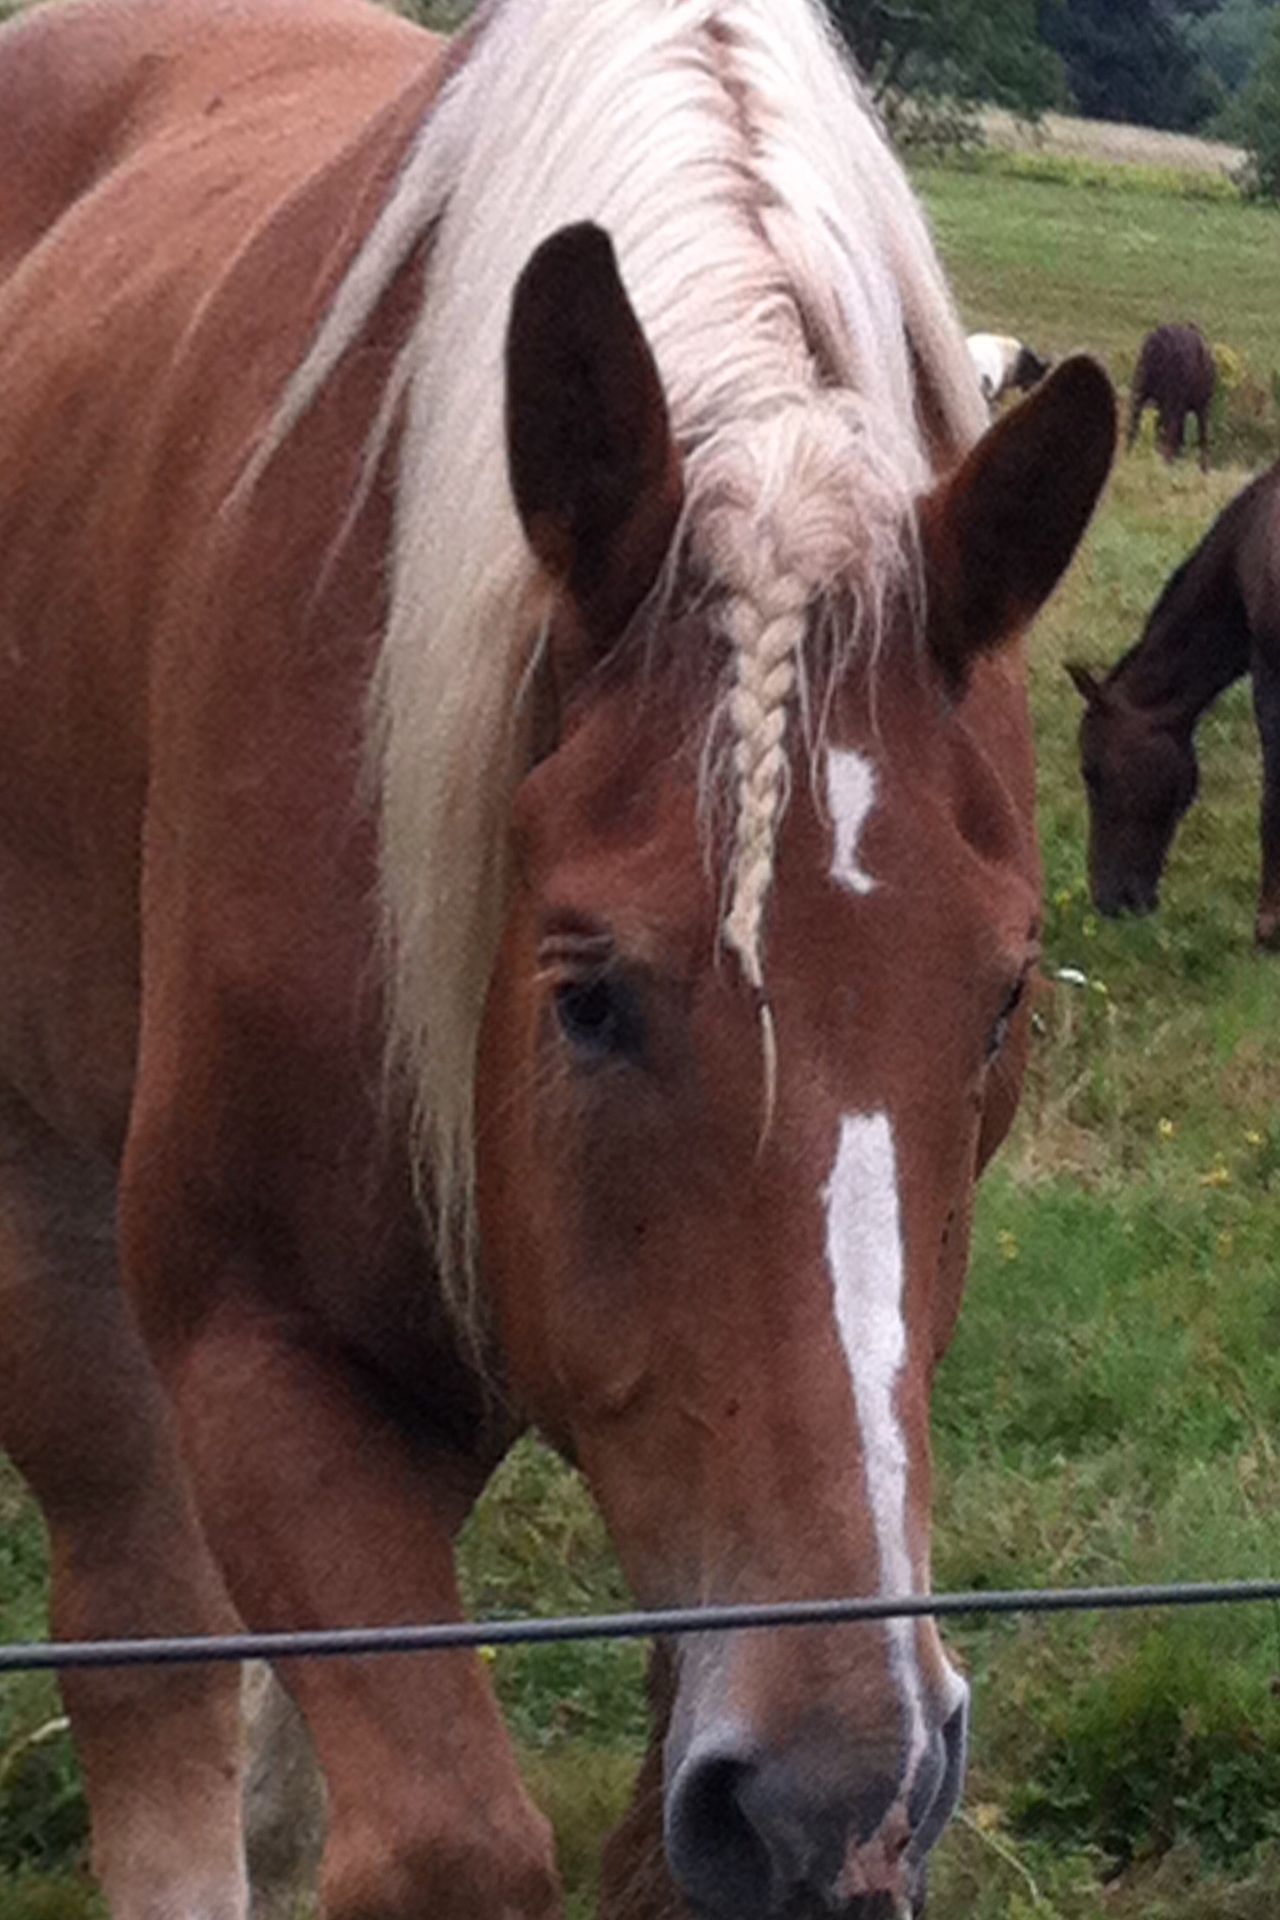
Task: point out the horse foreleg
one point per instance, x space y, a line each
1266 707
323 1512
1170 429
86 1423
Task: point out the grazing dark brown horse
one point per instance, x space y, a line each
1176 375
519 879
1217 619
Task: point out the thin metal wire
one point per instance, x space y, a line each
440 1637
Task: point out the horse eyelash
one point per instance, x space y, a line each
1004 1019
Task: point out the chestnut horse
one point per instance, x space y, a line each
519 881
1176 375
1217 619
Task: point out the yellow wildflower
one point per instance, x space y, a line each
1166 1129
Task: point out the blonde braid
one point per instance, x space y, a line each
787 506
767 637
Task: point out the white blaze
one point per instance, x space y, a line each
864 1254
865 1258
851 794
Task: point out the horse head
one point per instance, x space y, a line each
1140 776
732 1104
1029 369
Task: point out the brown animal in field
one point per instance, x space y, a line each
1217 619
518 902
1176 375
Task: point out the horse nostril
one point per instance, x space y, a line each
714 1850
756 1838
939 1785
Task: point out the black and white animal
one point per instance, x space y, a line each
1004 365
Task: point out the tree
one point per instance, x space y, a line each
1230 37
1130 61
925 57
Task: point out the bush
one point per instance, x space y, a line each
1244 425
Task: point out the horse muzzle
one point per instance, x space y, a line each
824 1828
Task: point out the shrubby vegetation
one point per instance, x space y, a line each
1228 37
1180 64
931 65
1133 62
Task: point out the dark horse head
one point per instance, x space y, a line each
1140 775
1137 733
1029 369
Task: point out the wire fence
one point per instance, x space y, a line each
451 1636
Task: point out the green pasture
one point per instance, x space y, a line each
1111 1408
1071 254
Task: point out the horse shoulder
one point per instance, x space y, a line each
143 345
82 87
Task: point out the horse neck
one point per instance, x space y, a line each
1196 641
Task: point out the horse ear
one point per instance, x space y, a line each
593 466
1086 684
998 533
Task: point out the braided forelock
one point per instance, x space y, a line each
766 640
790 508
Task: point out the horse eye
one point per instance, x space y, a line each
599 1017
1000 1032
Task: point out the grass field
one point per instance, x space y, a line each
1111 1408
1067 264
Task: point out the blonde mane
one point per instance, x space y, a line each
786 281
